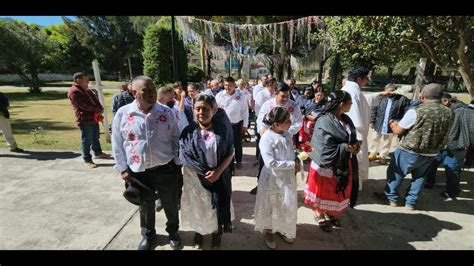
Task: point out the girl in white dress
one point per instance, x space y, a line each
206 150
276 203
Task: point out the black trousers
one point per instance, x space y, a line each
180 182
260 165
162 179
237 131
257 154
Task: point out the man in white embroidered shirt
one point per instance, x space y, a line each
234 102
145 145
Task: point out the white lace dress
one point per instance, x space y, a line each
276 204
196 208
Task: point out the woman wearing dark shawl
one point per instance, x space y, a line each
311 111
329 184
206 150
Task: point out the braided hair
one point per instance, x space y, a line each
336 98
276 115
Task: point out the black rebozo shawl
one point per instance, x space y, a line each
330 142
194 156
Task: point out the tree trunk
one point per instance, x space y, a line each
279 69
239 69
209 69
467 77
271 67
34 85
390 72
465 66
203 55
321 68
289 70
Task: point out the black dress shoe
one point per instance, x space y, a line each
175 241
216 240
146 243
198 240
254 190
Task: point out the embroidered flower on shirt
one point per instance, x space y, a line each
237 98
136 159
291 109
162 119
131 136
206 136
130 118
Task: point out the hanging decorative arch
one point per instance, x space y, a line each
299 28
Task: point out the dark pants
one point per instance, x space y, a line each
90 136
257 154
260 165
452 161
162 179
179 173
237 131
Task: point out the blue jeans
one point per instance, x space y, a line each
452 160
90 136
401 164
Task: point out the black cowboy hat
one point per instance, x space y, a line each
136 191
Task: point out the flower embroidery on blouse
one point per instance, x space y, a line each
162 119
207 137
131 136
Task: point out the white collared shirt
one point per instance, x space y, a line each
235 106
292 107
180 117
141 141
261 98
256 89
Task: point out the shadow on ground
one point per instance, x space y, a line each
43 155
430 199
26 126
368 227
44 95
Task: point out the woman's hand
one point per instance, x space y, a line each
353 148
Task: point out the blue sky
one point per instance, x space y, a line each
40 20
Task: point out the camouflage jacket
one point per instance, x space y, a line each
430 132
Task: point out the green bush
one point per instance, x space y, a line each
157 59
195 73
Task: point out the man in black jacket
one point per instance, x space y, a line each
5 125
392 107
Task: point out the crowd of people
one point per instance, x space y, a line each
178 148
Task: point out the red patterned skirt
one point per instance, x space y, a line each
320 191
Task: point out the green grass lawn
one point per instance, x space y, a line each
52 111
